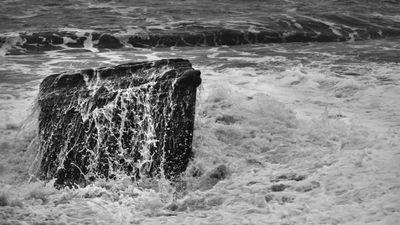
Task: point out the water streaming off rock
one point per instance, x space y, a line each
135 119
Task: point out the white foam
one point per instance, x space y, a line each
303 109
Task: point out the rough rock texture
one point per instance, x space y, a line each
134 118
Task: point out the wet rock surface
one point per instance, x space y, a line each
134 118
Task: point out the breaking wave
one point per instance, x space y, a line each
275 29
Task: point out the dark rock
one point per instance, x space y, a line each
319 27
78 42
134 118
46 41
278 187
189 78
172 207
108 41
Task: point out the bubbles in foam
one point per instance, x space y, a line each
266 122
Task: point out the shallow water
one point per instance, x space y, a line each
308 132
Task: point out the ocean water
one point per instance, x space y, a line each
299 108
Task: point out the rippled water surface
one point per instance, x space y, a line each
307 131
20 15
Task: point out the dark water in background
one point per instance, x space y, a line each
118 15
311 90
109 15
